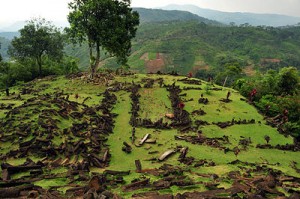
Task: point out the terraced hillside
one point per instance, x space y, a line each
140 136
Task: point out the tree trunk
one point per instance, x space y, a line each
97 61
225 82
94 62
91 59
39 62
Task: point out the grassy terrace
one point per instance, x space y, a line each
154 104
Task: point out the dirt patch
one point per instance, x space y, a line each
158 64
249 70
200 65
270 61
145 57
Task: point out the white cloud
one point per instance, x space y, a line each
57 10
22 10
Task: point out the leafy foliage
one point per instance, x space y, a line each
108 24
276 92
288 81
38 40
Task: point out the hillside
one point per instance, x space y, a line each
4 43
185 43
73 137
238 17
146 16
158 15
196 47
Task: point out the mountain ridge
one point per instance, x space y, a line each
256 19
158 15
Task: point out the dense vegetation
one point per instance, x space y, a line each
276 96
209 50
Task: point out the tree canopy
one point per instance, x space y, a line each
38 40
288 80
106 24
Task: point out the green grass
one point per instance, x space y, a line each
160 103
48 183
154 104
152 56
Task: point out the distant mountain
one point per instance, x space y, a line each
16 26
9 35
146 16
4 47
158 15
238 17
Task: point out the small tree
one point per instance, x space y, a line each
39 38
106 24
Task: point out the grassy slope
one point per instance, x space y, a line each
154 104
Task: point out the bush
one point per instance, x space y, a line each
292 129
269 100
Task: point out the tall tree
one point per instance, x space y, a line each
106 24
38 39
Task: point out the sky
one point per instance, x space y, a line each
57 10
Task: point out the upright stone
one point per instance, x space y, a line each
138 165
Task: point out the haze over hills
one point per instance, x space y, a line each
14 27
158 15
146 15
208 42
175 12
238 17
9 35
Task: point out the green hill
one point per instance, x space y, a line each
56 133
184 42
190 46
157 15
197 47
